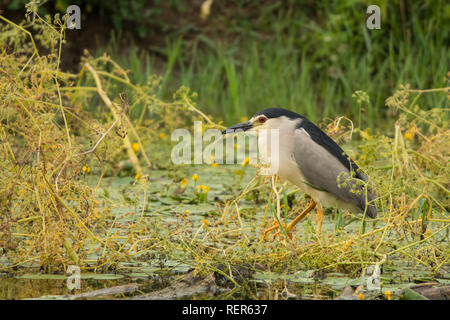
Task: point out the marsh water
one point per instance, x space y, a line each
156 272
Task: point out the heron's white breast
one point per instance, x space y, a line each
276 144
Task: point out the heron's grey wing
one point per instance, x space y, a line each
321 138
321 169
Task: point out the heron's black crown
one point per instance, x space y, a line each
279 112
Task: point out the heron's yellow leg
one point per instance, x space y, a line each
319 219
290 225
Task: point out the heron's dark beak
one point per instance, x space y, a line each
240 127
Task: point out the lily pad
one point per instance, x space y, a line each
43 276
409 294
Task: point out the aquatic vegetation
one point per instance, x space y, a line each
75 189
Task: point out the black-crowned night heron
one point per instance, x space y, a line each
311 160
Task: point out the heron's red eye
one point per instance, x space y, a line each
262 119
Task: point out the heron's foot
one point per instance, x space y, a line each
275 226
319 219
291 225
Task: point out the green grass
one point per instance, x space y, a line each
312 65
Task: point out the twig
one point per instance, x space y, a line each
84 153
108 102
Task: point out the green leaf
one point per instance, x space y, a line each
409 294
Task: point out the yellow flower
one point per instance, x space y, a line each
409 134
214 164
186 213
365 135
360 296
205 222
202 188
137 176
86 169
388 294
245 162
428 233
162 135
195 177
183 182
135 146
